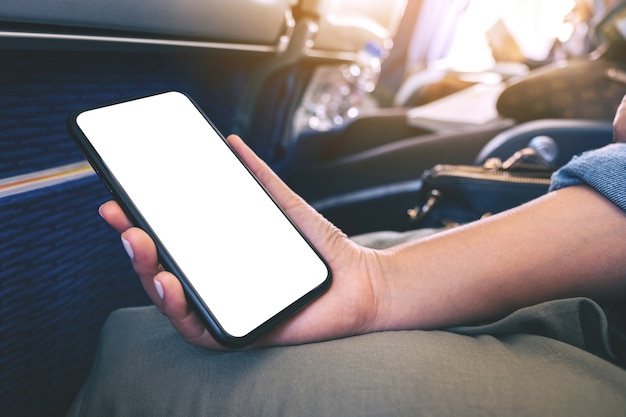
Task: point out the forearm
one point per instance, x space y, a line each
569 243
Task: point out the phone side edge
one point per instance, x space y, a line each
135 218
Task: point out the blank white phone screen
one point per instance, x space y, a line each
231 242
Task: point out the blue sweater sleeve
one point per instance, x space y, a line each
603 169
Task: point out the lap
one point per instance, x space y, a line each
143 367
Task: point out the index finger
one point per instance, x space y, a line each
113 214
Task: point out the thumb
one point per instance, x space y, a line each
321 233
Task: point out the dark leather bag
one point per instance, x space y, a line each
575 89
458 194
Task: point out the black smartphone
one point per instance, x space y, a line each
242 263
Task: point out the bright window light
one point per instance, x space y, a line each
533 24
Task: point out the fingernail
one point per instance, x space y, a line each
159 288
128 248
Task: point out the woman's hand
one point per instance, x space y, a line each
351 306
539 251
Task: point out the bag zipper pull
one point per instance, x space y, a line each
417 213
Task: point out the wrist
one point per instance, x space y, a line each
378 266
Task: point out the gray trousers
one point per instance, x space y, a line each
534 363
553 359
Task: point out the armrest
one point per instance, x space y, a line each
571 137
